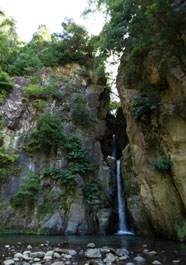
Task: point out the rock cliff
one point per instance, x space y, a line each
154 162
54 183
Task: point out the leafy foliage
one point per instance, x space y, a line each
28 191
135 26
5 83
145 103
65 177
48 134
76 155
7 158
8 41
91 189
81 116
181 230
164 163
39 92
72 45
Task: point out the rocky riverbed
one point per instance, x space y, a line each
87 254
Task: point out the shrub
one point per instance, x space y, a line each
164 163
7 158
28 192
5 83
39 104
2 123
35 79
144 104
76 155
48 134
81 116
38 92
65 177
181 230
91 189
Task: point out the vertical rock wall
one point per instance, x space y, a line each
154 162
56 210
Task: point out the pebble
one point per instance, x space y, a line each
18 255
176 261
9 262
39 254
93 253
156 262
7 246
110 258
152 252
91 245
29 247
58 263
139 259
72 252
36 259
57 255
122 251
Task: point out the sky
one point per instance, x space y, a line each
29 14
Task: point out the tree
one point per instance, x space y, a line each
8 40
136 26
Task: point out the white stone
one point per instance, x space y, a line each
72 252
9 262
58 263
139 259
91 245
18 255
57 255
39 254
110 258
93 253
29 247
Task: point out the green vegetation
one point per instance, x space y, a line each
91 189
7 158
137 26
39 104
28 192
38 92
76 155
80 115
65 177
181 230
147 102
73 44
163 163
47 136
5 83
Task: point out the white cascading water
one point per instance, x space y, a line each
123 230
120 195
121 204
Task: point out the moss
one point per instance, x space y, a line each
180 227
8 231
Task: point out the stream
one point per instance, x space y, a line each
167 252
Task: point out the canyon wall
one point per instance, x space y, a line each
64 190
154 162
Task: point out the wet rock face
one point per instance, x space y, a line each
56 209
154 162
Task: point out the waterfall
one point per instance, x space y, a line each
121 204
120 194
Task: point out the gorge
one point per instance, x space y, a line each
58 172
